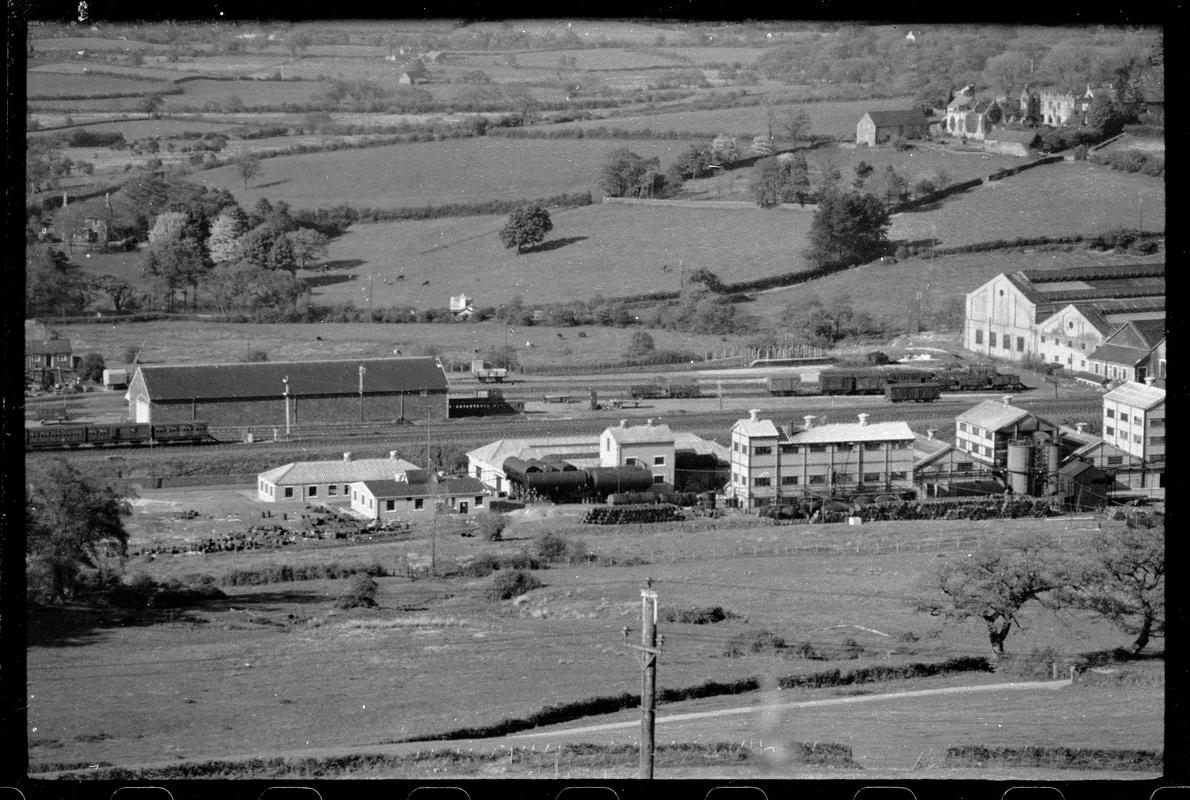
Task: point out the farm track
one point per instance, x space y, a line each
711 425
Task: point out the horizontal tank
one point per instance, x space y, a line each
620 479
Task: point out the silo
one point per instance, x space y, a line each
1020 466
1051 466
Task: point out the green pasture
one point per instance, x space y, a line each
60 84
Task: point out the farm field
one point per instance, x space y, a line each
598 59
452 171
60 84
253 692
88 68
173 341
1063 199
827 118
252 92
141 128
606 249
92 43
889 290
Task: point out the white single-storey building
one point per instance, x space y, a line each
417 494
305 481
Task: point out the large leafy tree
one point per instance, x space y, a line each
247 167
53 283
226 230
1123 579
1107 115
626 174
693 161
71 520
994 584
527 225
307 245
848 228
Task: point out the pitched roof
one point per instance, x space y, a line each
1119 354
641 434
1147 333
756 428
1137 395
385 489
1093 272
1010 135
927 450
882 119
306 378
854 432
569 447
992 415
45 347
364 469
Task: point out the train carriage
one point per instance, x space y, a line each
916 392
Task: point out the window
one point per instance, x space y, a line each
844 477
345 490
1070 324
389 505
1156 440
975 431
1108 430
1043 340
1156 423
332 490
978 336
658 461
262 487
873 445
478 501
896 476
1096 368
963 427
1136 438
418 502
658 479
817 448
762 482
735 448
1115 460
1110 413
991 338
817 479
790 449
964 466
1157 458
630 462
871 477
789 480
1057 357
1007 341
1124 418
987 451
1082 364
289 491
1082 345
762 451
311 491
1020 344
1069 343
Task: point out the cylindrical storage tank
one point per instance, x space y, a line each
619 479
1051 467
514 468
1020 467
553 482
533 465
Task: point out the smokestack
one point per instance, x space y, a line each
863 419
809 420
1081 427
1149 380
931 433
754 414
1007 399
347 456
623 423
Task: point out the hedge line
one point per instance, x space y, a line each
1055 757
564 200
568 712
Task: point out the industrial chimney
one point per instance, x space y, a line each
863 419
754 414
392 455
809 420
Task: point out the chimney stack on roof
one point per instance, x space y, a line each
1007 399
1149 380
623 423
649 423
347 456
863 419
809 420
392 455
931 433
1081 427
754 414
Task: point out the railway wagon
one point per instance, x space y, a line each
916 392
683 390
646 391
857 382
117 434
784 385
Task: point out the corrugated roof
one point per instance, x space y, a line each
1089 377
755 428
685 442
992 415
882 119
1119 354
363 469
306 378
854 432
1137 395
47 347
641 434
385 489
1093 272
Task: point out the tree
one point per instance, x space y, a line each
248 166
151 103
1107 115
762 145
625 174
1065 64
176 263
694 160
1007 71
307 245
70 521
890 186
53 283
281 255
118 291
848 228
361 593
90 367
640 344
1123 580
725 149
527 225
794 124
226 230
771 183
491 525
862 172
168 226
994 584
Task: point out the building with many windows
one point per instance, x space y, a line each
985 431
649 446
1134 420
316 481
417 494
769 463
1133 352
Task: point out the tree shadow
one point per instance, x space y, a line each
339 264
554 244
918 243
271 183
314 281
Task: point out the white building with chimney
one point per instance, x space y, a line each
316 481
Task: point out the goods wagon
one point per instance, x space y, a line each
118 434
785 385
917 392
974 378
660 391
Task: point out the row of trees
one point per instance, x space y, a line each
1120 576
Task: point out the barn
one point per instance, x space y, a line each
876 127
286 394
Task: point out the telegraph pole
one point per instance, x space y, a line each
648 681
285 381
362 371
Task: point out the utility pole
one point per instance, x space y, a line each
285 381
648 682
362 371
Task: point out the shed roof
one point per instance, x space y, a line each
364 469
1137 395
882 119
992 415
756 428
640 434
854 432
306 378
1119 354
47 347
385 489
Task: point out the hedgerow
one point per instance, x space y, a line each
1055 757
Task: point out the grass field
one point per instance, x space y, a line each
833 118
889 290
606 249
141 128
59 84
93 43
432 172
1067 198
253 93
191 342
260 649
609 58
83 67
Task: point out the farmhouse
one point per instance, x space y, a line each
769 463
985 431
290 393
416 494
42 355
1005 317
971 117
305 481
877 127
1133 352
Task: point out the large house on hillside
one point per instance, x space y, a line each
1060 314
